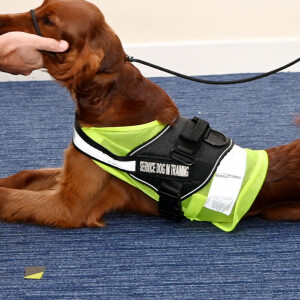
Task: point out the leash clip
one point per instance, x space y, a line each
129 58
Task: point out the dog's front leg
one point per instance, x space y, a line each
34 180
82 195
80 198
43 207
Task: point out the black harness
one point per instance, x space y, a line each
176 163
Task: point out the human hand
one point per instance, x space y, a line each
19 51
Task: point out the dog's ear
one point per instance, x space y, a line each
87 63
77 65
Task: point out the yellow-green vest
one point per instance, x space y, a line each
122 140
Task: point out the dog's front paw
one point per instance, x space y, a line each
94 222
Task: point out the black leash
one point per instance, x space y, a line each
205 81
132 59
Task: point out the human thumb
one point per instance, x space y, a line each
48 44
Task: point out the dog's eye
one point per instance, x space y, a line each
47 21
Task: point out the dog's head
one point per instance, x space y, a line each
94 47
94 69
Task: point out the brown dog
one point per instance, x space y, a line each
109 91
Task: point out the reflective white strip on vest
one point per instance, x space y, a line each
129 166
227 181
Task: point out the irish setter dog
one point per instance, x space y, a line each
110 91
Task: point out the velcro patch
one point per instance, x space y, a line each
163 169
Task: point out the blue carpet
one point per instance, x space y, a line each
137 257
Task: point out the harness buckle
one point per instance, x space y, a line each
183 155
169 204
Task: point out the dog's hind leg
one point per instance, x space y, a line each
34 180
281 189
289 211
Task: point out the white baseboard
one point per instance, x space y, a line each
205 58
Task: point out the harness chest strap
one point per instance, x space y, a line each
87 147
